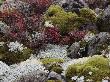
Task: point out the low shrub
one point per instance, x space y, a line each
14 54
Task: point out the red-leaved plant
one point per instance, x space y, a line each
76 35
52 35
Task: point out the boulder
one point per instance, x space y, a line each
54 76
73 50
97 43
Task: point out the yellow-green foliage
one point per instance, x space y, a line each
47 61
54 81
1 1
68 21
88 14
52 64
12 57
73 70
59 17
98 65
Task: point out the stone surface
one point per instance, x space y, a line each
73 50
98 41
54 76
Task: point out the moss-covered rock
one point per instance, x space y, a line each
61 18
53 64
96 66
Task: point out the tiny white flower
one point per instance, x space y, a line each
89 80
90 73
81 79
2 43
104 80
48 24
74 78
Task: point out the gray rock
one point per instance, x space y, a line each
98 41
54 76
73 50
71 5
93 47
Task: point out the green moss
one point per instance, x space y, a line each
54 81
99 62
53 64
73 70
57 69
60 18
47 61
88 14
98 65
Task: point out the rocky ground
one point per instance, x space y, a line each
54 41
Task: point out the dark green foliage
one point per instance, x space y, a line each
13 57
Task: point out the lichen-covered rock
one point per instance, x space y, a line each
89 46
96 3
98 43
74 5
54 76
103 22
73 50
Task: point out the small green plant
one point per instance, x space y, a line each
64 20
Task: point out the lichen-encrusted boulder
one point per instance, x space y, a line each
98 43
93 46
73 50
54 76
103 20
73 5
